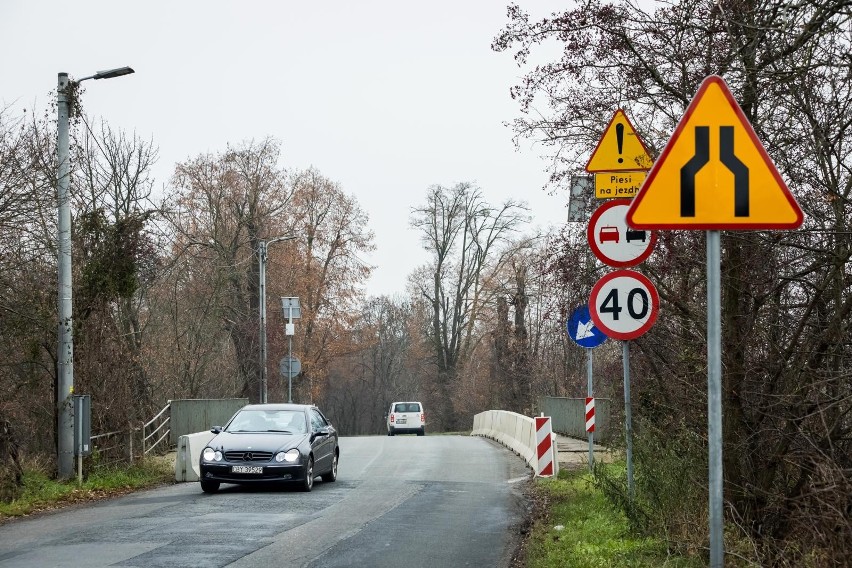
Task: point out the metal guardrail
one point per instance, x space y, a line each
177 418
163 423
117 439
114 441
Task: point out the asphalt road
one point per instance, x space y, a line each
433 501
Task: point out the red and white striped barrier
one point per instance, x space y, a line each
547 465
590 414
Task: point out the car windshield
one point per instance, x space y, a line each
407 407
284 421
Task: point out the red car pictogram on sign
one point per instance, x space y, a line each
608 233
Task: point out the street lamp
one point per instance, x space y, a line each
65 347
262 246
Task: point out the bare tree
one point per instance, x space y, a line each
27 279
512 360
221 206
329 274
118 261
376 372
463 234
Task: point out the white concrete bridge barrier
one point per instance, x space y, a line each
515 431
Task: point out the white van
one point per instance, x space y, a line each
406 418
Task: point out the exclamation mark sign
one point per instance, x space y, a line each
619 138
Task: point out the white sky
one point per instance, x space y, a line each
386 97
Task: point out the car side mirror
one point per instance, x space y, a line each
321 432
216 429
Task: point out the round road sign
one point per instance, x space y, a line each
613 241
624 304
582 330
290 366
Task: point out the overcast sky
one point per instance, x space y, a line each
386 97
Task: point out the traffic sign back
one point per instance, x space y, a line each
714 173
620 149
291 366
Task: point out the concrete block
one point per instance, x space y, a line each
188 455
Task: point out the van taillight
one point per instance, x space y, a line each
423 417
392 415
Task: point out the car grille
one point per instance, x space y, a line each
248 456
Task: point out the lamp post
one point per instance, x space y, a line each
262 246
65 347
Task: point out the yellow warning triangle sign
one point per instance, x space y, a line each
714 173
620 149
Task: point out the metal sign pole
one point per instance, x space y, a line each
290 358
292 310
628 418
591 434
261 299
714 397
78 421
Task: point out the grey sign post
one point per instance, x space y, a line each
262 258
714 396
292 310
628 417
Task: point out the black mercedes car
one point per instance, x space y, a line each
269 443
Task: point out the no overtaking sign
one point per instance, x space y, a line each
613 241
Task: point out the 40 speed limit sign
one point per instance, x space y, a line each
624 304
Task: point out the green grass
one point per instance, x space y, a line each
581 529
40 492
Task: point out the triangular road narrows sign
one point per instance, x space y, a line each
714 173
620 149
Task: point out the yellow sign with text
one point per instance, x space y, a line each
714 173
622 185
620 149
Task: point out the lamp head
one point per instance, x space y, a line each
110 73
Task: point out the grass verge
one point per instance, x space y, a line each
577 527
42 493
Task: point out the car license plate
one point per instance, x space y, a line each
401 421
246 469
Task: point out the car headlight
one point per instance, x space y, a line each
209 454
288 456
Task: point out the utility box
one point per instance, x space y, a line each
82 424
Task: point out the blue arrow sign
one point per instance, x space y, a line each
582 330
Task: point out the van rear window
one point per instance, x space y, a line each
407 407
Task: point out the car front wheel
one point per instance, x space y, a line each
209 486
331 476
308 482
